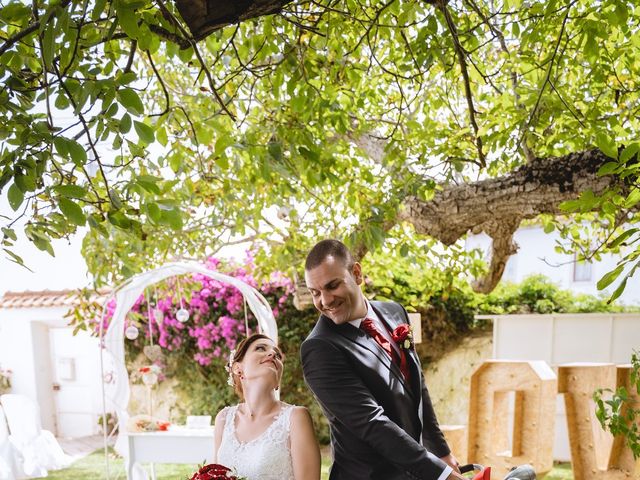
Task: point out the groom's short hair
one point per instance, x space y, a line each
328 248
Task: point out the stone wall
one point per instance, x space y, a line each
448 378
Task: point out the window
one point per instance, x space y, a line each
581 270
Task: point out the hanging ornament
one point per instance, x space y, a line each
158 314
131 332
182 315
149 378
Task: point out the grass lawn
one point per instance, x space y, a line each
93 467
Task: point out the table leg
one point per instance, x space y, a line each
153 471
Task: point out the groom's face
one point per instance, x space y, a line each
335 290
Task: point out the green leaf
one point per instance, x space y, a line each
95 222
606 145
618 291
629 151
173 218
149 183
15 197
72 211
609 277
119 220
153 211
144 131
128 20
622 237
608 168
125 123
633 198
48 44
69 148
77 152
60 143
15 258
130 100
70 191
9 233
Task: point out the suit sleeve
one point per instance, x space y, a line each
432 436
348 401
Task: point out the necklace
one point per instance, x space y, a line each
268 412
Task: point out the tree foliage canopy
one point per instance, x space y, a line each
331 118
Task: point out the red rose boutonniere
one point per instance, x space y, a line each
403 336
215 471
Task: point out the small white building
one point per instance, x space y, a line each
50 365
537 255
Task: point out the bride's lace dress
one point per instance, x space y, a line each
267 457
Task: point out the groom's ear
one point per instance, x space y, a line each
357 272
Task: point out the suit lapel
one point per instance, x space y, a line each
392 320
360 338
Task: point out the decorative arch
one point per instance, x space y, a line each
116 388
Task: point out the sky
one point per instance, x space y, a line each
66 270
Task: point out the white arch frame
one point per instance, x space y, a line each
113 339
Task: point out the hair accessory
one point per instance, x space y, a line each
228 368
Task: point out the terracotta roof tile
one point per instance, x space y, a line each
41 299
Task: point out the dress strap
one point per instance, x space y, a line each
286 417
229 422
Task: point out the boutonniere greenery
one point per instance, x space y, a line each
403 336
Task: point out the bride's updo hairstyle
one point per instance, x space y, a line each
237 355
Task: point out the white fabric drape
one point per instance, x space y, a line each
39 449
117 392
10 457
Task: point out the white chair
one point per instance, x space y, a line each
39 448
10 457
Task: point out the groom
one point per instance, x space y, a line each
370 387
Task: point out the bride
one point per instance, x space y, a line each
264 438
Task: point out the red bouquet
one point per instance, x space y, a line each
215 471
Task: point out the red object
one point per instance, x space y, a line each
163 426
368 326
401 333
214 471
485 474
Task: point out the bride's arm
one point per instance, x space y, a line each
305 453
218 428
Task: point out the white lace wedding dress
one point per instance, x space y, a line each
267 457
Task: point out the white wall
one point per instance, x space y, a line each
25 348
536 255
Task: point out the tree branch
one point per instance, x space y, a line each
460 53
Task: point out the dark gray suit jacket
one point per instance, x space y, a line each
379 421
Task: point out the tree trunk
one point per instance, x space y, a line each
498 205
206 16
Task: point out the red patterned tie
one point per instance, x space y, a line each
370 328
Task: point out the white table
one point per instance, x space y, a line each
178 445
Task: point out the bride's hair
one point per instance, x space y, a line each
238 354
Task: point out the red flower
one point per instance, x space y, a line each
402 335
145 369
214 471
163 426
